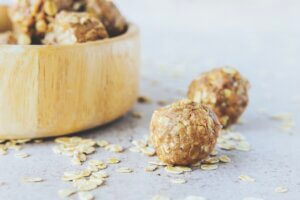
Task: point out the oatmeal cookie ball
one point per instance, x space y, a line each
109 15
224 90
184 132
75 27
30 18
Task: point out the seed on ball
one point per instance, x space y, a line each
184 132
224 90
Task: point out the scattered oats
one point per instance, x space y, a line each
85 196
101 174
92 168
185 169
148 151
159 163
98 181
113 161
99 164
211 160
197 164
85 185
160 197
225 146
194 198
124 170
32 179
209 167
136 115
281 189
246 178
151 168
21 155
135 149
74 175
63 193
243 146
144 99
282 117
178 181
224 159
139 143
102 143
214 153
174 170
78 158
114 148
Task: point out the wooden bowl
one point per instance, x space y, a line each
5 23
58 90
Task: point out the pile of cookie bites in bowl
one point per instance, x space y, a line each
186 131
66 66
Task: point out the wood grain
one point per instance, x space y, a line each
57 90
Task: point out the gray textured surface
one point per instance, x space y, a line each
182 38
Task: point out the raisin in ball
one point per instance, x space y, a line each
184 132
224 90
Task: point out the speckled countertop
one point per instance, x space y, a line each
180 39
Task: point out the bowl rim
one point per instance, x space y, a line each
132 30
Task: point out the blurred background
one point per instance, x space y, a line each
183 38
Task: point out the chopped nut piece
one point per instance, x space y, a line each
184 132
136 115
178 181
124 170
281 189
209 167
109 15
224 90
85 196
144 99
246 178
71 28
66 192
